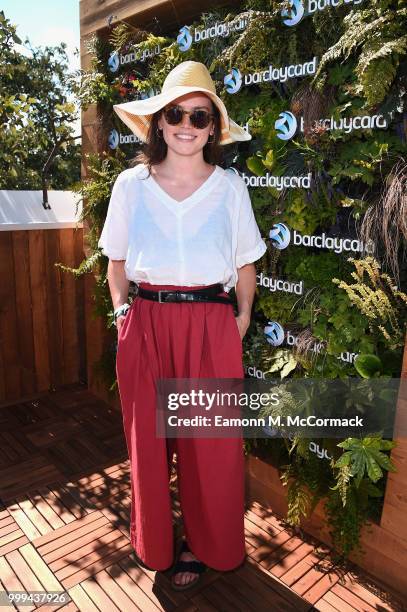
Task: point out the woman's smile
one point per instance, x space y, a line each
185 136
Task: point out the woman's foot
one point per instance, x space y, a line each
187 569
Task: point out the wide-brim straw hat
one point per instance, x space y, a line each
185 78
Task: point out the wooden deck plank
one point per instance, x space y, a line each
27 475
273 594
101 600
7 607
11 582
156 587
325 606
82 599
279 553
202 603
40 568
45 509
68 558
131 587
352 599
69 509
115 592
217 598
352 585
286 563
300 569
79 527
96 564
337 602
22 569
249 597
315 584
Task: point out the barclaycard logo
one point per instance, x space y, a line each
296 11
280 236
274 333
233 81
116 60
285 125
115 139
294 14
278 182
184 38
279 284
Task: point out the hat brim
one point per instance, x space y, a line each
138 113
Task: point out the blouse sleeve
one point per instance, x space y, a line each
250 245
115 233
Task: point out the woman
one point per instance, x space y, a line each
178 221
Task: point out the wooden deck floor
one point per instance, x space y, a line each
64 514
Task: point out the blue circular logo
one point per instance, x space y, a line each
233 81
280 236
294 14
286 125
114 62
184 38
113 140
274 333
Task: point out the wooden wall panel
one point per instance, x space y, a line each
25 338
38 267
54 308
42 329
8 317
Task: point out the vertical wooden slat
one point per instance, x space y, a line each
54 307
24 336
8 319
69 304
39 308
80 309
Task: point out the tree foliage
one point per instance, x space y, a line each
35 113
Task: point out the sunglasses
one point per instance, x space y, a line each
200 119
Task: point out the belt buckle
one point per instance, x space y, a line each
160 291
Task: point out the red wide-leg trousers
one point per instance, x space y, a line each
180 340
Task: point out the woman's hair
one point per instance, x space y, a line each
154 150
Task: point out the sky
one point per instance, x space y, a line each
47 22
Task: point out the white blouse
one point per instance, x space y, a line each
200 240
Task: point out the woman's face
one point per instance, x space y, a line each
184 138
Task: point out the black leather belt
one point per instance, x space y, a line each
209 294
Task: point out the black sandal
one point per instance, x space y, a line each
195 567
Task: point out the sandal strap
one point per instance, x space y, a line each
184 547
195 567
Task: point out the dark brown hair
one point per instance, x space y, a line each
154 151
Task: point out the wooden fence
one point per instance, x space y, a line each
42 325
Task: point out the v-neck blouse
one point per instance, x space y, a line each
200 240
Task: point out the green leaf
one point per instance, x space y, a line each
368 365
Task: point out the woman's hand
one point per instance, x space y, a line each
243 322
119 323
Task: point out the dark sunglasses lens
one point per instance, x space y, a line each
200 119
173 115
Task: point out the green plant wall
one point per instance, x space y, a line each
352 303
